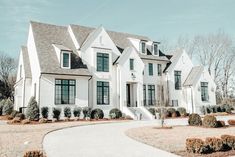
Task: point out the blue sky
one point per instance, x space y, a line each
158 19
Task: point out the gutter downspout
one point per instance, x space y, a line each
192 99
168 91
23 96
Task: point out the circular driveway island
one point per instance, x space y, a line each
102 140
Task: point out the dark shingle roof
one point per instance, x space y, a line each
25 56
45 35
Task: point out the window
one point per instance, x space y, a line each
103 62
155 49
20 71
144 94
204 91
177 80
102 93
159 70
151 94
142 47
66 60
174 103
150 69
131 64
64 91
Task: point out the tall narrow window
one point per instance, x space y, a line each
102 93
151 94
64 91
150 69
131 64
142 47
103 62
204 91
20 71
177 80
144 95
65 60
159 70
155 49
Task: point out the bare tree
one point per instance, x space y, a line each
7 74
186 43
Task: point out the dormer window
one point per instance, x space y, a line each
142 47
65 59
155 49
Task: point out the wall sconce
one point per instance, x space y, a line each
133 76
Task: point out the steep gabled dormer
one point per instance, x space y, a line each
63 55
143 47
155 49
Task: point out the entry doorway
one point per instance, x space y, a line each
131 95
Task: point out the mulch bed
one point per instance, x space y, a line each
67 121
215 154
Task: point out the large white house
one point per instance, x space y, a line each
82 66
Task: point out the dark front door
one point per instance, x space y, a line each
128 95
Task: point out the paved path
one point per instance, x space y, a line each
103 140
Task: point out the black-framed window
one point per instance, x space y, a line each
131 64
102 93
103 62
159 70
142 46
204 91
150 69
144 94
155 49
65 59
65 91
151 94
175 103
177 80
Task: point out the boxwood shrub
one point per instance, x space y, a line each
115 113
97 114
194 119
209 121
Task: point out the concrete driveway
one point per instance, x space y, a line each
103 140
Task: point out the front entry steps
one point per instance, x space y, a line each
139 113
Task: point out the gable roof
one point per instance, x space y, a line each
174 57
27 67
194 75
120 39
45 35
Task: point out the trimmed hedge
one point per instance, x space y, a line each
56 113
77 111
209 121
194 119
211 144
97 114
86 112
115 113
44 112
67 112
182 111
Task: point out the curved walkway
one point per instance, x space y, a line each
102 140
